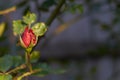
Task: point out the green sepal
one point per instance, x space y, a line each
29 49
29 18
39 29
18 27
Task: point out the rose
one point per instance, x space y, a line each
28 38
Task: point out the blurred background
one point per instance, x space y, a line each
83 36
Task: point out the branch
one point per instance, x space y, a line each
53 15
28 63
28 73
55 12
23 66
60 29
6 11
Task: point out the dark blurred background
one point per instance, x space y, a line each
83 36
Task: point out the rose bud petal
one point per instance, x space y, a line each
33 37
25 38
28 38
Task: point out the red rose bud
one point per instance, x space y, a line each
33 37
28 38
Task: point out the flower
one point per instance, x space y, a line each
28 38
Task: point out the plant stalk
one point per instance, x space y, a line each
28 62
55 12
28 73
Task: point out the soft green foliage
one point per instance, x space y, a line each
47 4
76 8
35 55
17 60
29 18
5 77
73 7
58 71
80 8
39 29
5 63
18 27
46 69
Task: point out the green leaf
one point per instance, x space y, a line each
42 73
18 27
76 7
17 60
5 77
47 70
39 29
41 65
35 55
5 63
58 71
73 7
80 8
29 18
